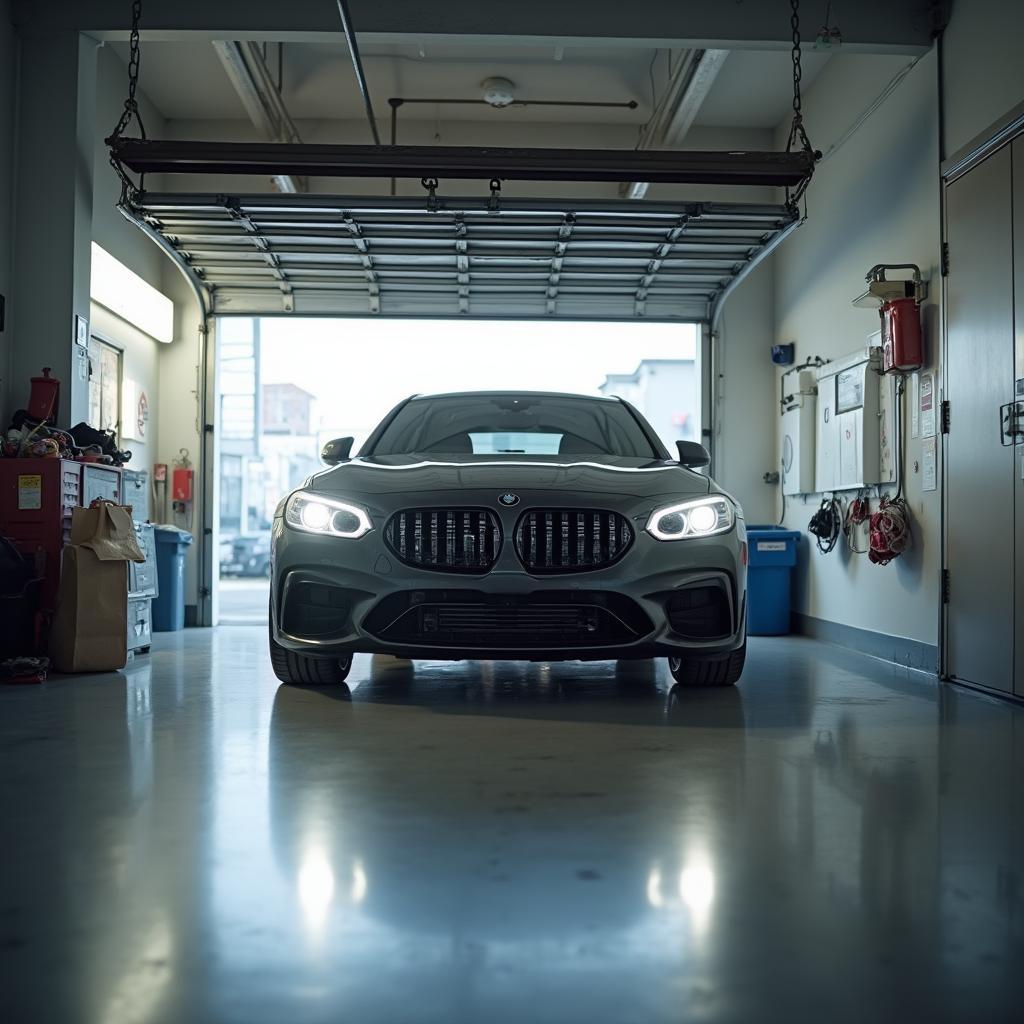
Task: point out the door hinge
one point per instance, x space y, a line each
944 416
945 586
205 592
945 259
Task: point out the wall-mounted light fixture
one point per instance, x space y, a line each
124 293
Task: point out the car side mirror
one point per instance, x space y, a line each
692 454
337 450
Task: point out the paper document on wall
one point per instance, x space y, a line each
927 404
929 471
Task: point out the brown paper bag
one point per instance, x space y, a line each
90 627
108 530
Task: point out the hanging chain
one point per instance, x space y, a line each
131 104
131 109
797 130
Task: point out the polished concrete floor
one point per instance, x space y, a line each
186 841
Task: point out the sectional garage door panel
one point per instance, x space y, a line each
358 256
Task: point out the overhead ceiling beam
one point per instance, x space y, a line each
879 26
252 80
689 86
148 156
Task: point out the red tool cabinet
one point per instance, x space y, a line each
36 499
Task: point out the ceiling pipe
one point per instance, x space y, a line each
357 65
672 119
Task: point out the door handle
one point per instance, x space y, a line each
1011 424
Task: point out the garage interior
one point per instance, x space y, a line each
841 835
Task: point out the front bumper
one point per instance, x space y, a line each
331 597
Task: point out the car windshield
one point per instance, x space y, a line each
515 424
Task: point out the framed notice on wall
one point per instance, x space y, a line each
926 402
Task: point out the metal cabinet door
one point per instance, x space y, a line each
1018 394
979 469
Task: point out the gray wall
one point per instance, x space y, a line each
141 353
984 72
878 201
8 75
109 228
744 448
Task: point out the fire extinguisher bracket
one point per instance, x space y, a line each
882 289
898 301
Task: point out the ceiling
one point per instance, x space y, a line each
753 89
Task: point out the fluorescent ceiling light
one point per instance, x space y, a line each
123 292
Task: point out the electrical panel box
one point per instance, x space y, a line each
850 435
799 405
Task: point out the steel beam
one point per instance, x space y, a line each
879 26
446 162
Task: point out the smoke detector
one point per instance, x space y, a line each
499 92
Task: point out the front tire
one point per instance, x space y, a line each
298 670
705 672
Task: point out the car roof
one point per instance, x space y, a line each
514 394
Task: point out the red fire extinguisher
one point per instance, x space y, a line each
902 347
182 479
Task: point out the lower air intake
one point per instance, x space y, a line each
472 619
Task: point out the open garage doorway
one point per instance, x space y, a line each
285 386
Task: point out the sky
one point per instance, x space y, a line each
359 369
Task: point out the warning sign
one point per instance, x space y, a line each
30 492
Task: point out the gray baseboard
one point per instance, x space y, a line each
898 649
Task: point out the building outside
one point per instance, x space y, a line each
241 498
290 442
666 391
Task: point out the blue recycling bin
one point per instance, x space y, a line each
169 605
769 579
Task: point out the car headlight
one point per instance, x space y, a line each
317 513
700 517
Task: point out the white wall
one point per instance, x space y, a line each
984 72
8 73
877 201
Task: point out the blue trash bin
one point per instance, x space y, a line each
772 557
169 605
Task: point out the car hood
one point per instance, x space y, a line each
565 477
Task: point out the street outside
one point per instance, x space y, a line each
243 601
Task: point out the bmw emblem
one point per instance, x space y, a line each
509 500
